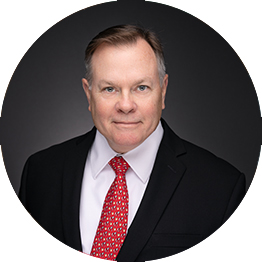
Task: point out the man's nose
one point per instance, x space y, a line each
126 103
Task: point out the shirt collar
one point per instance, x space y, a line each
141 159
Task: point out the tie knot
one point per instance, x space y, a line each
119 165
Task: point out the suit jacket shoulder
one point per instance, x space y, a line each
58 151
51 185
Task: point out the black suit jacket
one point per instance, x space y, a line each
190 194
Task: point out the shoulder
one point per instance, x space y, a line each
200 162
212 175
55 150
205 160
55 154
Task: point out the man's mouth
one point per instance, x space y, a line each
127 123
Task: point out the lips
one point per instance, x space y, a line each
126 123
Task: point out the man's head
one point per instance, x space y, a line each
125 67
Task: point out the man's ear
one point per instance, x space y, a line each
164 88
87 92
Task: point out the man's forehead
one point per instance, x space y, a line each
139 44
113 82
135 64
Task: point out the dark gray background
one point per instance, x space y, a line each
211 100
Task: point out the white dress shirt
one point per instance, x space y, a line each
98 177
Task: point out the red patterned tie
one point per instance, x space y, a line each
112 227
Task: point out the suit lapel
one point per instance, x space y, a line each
164 180
72 180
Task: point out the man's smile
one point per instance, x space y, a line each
127 124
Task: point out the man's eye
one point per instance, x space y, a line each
109 89
142 88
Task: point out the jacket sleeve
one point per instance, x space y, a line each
237 195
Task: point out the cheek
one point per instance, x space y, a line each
153 107
101 110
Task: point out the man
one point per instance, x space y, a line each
129 189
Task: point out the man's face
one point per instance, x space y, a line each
126 98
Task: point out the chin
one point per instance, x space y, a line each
125 145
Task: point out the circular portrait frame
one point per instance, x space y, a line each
204 245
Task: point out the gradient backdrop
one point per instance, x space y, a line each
210 101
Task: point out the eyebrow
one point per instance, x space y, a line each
105 82
110 83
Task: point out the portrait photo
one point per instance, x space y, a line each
131 131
